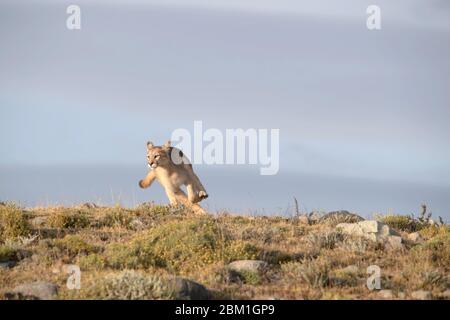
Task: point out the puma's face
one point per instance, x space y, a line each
157 156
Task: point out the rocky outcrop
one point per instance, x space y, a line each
421 295
256 266
342 216
38 290
415 237
184 289
372 230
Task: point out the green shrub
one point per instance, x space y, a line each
160 210
69 220
13 223
92 261
130 285
325 240
74 245
344 277
250 277
435 279
403 223
134 255
117 217
433 231
438 248
311 272
179 245
277 257
7 253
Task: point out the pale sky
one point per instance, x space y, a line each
348 101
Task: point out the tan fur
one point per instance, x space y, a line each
166 167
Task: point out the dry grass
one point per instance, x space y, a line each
129 254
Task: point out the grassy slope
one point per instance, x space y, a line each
306 261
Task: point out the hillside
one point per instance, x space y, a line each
148 253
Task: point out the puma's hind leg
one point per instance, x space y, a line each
198 189
181 198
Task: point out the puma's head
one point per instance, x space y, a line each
157 156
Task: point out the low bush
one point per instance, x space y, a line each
13 223
70 219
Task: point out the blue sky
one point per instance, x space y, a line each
348 102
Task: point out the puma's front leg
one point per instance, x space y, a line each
147 181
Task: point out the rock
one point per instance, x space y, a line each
314 216
184 289
89 205
303 219
446 294
415 236
137 224
386 294
340 217
350 269
372 230
381 229
7 264
38 221
40 290
394 242
350 228
401 295
421 295
256 266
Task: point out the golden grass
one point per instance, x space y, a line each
155 243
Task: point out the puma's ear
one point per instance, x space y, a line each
150 145
166 145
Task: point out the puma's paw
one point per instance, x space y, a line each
202 194
141 184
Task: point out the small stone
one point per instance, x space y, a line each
372 230
315 216
415 236
350 269
7 264
394 242
89 205
386 294
370 226
421 295
40 290
256 266
446 294
38 221
137 224
303 219
184 289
